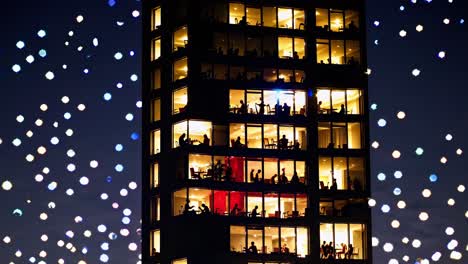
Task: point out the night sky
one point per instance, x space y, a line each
87 120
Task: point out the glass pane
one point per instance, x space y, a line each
270 98
237 237
271 205
299 48
180 69
180 99
156 49
324 135
254 46
255 240
155 174
287 205
323 53
357 174
199 166
301 170
272 239
288 240
235 170
341 240
285 18
300 139
353 55
326 236
254 202
254 167
156 82
180 134
253 16
286 137
220 135
156 18
300 98
302 242
354 136
178 199
220 72
237 135
156 110
200 133
337 52
323 99
271 170
357 246
269 16
339 135
352 20
353 102
220 199
285 47
156 242
254 136
270 49
180 261
338 101
236 13
340 174
269 75
321 16
301 205
180 38
299 19
237 204
286 171
236 44
199 200
325 172
336 20
220 43
155 142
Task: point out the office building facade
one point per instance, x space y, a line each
255 132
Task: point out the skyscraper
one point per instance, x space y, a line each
255 132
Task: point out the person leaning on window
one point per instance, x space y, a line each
182 140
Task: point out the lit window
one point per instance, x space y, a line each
299 19
237 238
336 20
329 102
339 135
155 242
156 49
200 167
180 38
154 209
154 173
323 51
269 16
180 261
285 18
337 52
180 69
353 55
156 79
179 199
156 18
236 13
349 240
180 99
155 142
254 17
321 17
291 48
340 173
192 133
156 110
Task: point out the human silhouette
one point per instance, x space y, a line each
182 140
235 210
206 140
253 248
254 212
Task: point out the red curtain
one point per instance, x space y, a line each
237 165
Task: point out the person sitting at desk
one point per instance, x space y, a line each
283 179
257 176
206 140
254 212
238 144
295 178
297 145
182 141
204 209
273 179
235 210
342 110
253 248
334 185
286 109
188 209
243 108
319 108
350 252
285 249
243 21
283 143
